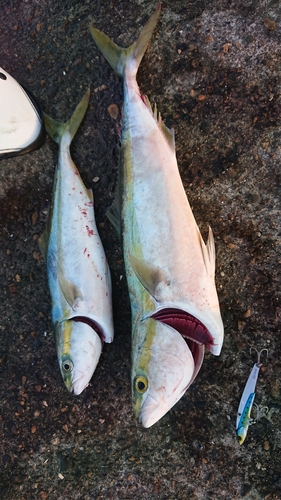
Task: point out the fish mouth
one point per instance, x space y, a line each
191 328
93 324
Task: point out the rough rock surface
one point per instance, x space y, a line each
214 70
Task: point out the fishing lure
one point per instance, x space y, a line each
244 419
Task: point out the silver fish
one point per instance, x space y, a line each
169 269
78 273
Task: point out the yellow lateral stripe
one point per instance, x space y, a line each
66 337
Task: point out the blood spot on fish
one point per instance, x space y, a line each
89 231
85 250
186 324
83 211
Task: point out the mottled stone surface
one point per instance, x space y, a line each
214 70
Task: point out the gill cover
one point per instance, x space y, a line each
21 125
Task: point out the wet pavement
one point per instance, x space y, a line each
214 70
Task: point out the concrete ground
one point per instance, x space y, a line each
214 70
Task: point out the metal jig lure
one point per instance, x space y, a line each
244 419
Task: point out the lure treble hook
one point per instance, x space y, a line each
259 355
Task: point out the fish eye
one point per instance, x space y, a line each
67 366
141 384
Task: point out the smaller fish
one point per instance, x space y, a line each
244 419
78 273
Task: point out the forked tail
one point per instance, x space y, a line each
58 129
121 59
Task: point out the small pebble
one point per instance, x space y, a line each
266 445
269 24
113 110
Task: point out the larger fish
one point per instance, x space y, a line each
170 271
78 273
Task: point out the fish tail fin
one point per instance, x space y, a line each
57 129
126 59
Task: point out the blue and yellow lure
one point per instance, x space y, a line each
244 420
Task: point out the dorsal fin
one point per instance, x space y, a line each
208 251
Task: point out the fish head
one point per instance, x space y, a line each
163 367
79 348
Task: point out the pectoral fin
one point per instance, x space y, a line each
149 275
70 291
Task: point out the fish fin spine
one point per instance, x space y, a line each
168 133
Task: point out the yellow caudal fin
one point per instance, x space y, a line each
57 129
126 58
